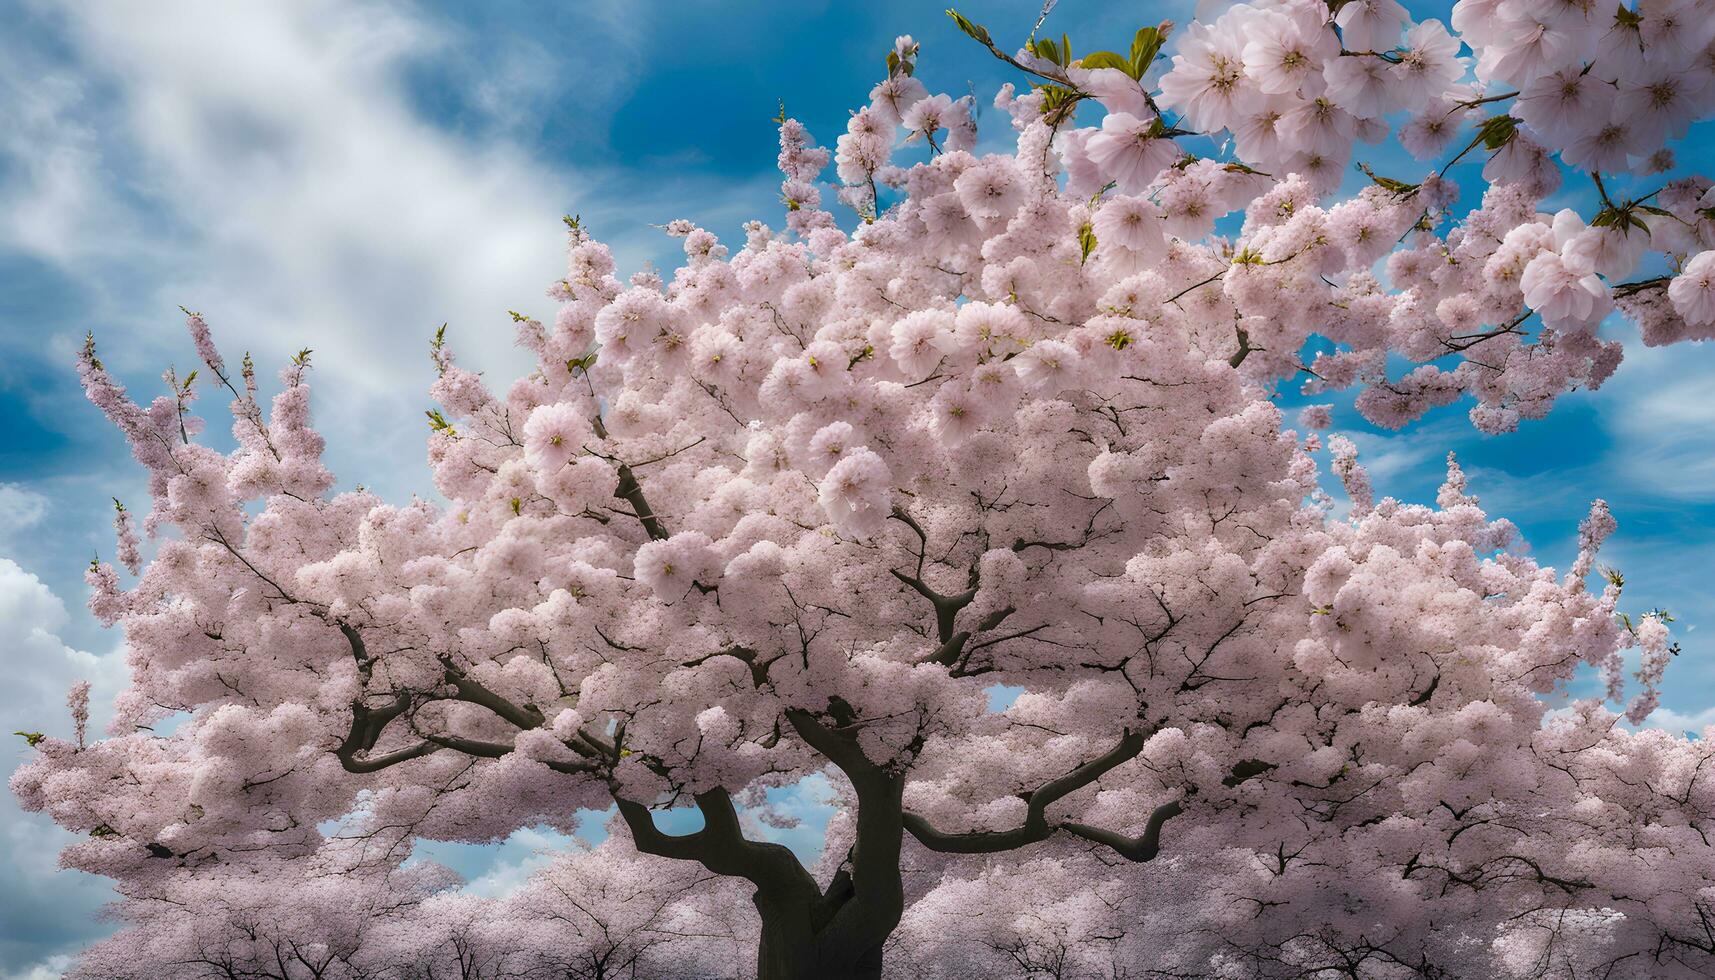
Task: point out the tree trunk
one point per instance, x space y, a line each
808 933
840 934
791 948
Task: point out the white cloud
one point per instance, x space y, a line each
39 665
1660 408
48 969
806 805
524 853
20 509
304 202
44 907
1679 722
1390 458
495 871
271 166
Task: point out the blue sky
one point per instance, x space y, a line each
348 176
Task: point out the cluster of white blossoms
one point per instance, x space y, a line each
797 510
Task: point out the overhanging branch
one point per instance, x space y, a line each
1035 826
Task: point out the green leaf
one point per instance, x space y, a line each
34 738
976 31
1399 187
1058 102
1498 131
1146 46
1086 242
1105 59
1624 217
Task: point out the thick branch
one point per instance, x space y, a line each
946 606
1143 847
745 655
1244 348
947 654
473 692
839 749
1036 826
367 724
722 847
630 491
866 899
366 727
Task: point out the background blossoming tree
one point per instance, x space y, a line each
802 508
603 913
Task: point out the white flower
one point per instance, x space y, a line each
1608 251
855 493
1284 52
1363 86
889 100
1431 130
1370 25
1564 297
1131 223
926 116
670 567
1114 89
1563 105
1664 101
1692 292
1532 45
990 189
828 446
1208 82
1257 131
1047 366
554 434
1127 154
1430 65
1607 147
955 413
919 341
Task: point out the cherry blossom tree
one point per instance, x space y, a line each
801 509
603 913
321 916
